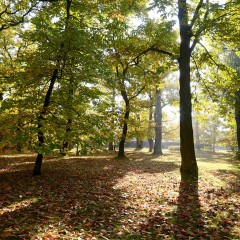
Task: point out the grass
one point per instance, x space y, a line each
102 197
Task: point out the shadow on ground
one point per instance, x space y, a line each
105 198
75 197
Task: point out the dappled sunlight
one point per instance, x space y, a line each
19 164
109 198
18 205
218 156
29 155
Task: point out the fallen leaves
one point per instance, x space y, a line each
105 198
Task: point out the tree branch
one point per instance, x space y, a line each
195 16
200 78
210 56
140 90
199 31
12 23
153 48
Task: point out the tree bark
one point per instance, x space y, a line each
121 151
197 136
139 144
66 143
111 144
150 140
158 123
38 163
41 118
189 167
237 119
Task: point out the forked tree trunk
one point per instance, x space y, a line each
189 167
121 151
158 124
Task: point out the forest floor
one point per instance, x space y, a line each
102 197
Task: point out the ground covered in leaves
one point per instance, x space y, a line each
102 197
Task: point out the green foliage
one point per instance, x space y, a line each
87 48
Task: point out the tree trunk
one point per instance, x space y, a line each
110 146
150 145
139 144
197 136
158 124
66 143
189 167
121 152
237 119
150 140
38 163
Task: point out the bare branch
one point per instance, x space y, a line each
173 129
200 78
139 91
210 56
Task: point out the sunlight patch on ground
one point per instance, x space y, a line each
18 205
17 155
20 164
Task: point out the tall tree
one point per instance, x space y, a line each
188 165
59 64
158 122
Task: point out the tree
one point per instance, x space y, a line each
13 13
158 122
150 123
205 18
188 165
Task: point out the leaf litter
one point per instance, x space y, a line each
106 198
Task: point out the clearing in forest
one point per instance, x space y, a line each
102 197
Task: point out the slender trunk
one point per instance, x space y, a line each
189 167
197 136
38 163
150 140
237 119
158 123
121 152
139 144
111 144
18 131
214 137
150 145
66 143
